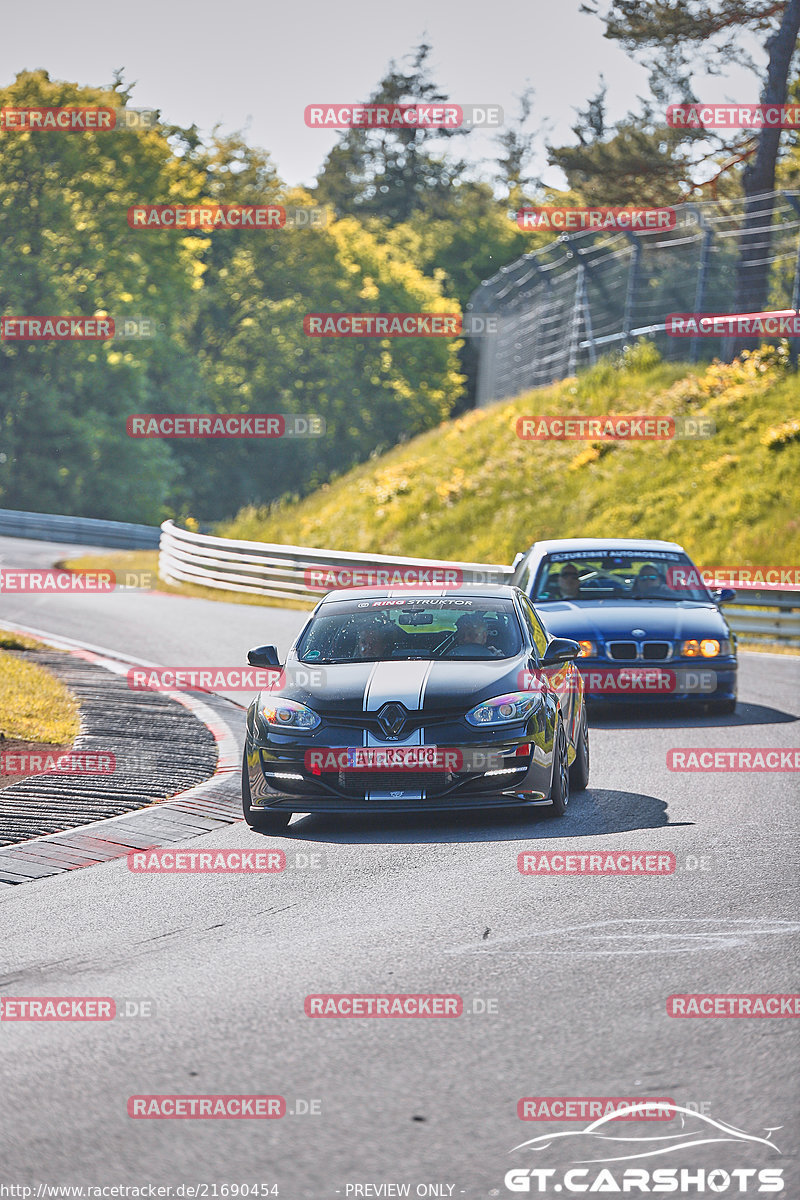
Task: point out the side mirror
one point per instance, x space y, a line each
560 650
724 595
263 656
517 560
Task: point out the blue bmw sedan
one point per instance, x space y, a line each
648 627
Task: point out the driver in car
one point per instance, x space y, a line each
374 641
472 635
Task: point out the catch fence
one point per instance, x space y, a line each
560 307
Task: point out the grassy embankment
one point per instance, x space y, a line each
471 489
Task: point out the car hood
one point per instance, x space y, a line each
603 619
354 688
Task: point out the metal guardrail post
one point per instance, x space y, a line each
633 281
702 277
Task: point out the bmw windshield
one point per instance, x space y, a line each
349 631
636 575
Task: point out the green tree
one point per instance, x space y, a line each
391 173
66 249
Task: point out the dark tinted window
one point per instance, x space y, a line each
449 628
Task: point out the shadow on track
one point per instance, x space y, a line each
594 812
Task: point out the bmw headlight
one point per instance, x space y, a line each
705 648
288 714
587 649
504 710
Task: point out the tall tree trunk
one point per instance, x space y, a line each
752 280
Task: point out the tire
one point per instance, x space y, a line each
559 788
579 771
266 821
723 707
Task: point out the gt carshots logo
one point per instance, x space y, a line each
604 1141
632 1179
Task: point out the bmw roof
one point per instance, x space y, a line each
603 544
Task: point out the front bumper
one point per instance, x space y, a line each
678 680
527 782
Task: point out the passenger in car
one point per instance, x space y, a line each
472 635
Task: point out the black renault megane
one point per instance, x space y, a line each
413 702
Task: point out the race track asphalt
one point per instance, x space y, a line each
577 969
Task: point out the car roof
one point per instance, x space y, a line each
557 544
483 591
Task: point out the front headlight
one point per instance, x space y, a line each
588 649
705 648
504 710
288 714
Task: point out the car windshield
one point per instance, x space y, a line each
634 575
443 628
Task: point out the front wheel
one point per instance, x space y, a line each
559 788
266 821
579 771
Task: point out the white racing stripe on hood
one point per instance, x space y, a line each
405 682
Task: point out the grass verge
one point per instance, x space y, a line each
34 705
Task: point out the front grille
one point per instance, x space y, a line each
357 783
631 651
656 651
622 651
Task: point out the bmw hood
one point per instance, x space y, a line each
600 620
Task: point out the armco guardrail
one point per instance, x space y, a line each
761 614
285 571
267 569
87 531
